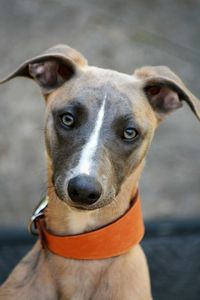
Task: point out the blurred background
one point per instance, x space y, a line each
121 35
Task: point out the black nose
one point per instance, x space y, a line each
84 189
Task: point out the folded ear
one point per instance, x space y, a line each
51 68
165 90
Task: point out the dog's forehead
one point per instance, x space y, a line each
108 74
95 84
112 81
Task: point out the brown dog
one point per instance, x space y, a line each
98 127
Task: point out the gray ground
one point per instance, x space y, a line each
115 34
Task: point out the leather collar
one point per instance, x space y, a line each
109 241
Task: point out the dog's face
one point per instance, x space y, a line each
99 123
98 128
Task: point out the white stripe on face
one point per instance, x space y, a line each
90 147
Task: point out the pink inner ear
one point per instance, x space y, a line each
45 73
172 101
37 69
50 74
153 90
163 99
65 72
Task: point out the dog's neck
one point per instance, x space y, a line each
64 220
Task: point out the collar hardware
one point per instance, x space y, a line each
38 213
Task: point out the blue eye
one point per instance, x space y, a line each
130 134
67 119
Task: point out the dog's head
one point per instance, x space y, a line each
99 123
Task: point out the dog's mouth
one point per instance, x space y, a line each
86 207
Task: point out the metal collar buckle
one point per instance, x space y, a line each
38 212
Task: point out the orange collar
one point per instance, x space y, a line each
112 240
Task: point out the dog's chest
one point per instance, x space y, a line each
78 280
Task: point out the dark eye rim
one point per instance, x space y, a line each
69 114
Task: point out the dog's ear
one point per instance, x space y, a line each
51 68
165 90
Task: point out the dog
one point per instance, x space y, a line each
99 124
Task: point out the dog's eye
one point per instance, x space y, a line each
67 119
130 134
